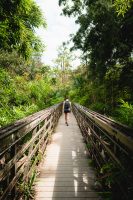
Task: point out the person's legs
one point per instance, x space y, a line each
66 118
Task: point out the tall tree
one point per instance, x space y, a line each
105 38
64 62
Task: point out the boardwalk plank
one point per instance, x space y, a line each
68 194
66 198
61 189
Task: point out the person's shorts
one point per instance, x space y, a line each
67 111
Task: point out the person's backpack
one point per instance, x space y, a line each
67 105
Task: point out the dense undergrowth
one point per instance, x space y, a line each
114 102
20 96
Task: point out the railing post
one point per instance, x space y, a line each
13 171
26 169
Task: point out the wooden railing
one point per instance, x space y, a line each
110 145
21 145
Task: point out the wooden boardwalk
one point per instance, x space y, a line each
65 173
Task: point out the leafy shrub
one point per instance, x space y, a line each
99 107
124 113
20 97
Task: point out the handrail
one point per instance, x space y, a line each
107 141
21 144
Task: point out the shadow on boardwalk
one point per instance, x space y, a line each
65 172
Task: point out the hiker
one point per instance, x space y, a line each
67 109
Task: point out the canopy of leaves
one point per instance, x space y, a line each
18 20
122 6
103 36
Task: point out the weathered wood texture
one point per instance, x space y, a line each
108 143
65 172
21 145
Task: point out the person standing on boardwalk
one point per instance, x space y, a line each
67 109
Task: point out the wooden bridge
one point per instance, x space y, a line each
58 157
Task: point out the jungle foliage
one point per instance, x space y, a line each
104 81
122 6
26 84
25 90
18 20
